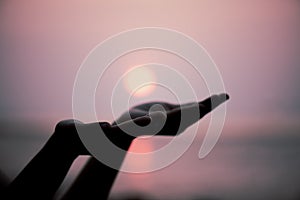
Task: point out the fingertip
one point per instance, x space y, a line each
227 96
224 96
142 121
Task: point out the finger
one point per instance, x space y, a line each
146 125
178 119
142 121
131 115
147 106
143 110
129 127
189 114
211 103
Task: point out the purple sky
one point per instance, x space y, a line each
255 44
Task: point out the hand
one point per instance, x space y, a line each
147 113
131 124
96 173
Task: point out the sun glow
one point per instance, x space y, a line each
139 81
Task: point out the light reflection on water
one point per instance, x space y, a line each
257 163
262 165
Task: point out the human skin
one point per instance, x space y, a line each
41 178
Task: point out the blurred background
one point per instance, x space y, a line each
255 45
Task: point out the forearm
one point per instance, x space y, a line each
94 182
96 179
43 175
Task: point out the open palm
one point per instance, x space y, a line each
171 118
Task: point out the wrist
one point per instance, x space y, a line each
117 136
60 148
66 141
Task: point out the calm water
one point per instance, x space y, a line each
261 162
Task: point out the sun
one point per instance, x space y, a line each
139 81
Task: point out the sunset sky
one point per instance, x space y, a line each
255 45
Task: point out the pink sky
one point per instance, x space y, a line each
255 45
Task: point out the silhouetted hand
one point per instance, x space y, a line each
161 118
53 161
168 119
91 177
